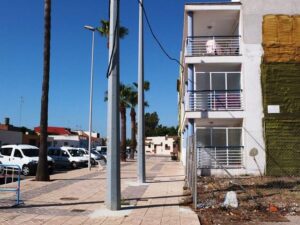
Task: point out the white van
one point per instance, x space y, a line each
25 156
67 157
94 155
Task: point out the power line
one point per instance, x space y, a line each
156 39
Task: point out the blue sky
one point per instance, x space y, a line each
21 60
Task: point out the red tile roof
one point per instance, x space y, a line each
55 130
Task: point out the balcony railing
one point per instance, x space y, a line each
213 46
214 100
218 157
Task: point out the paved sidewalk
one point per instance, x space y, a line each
77 197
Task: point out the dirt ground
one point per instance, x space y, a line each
267 199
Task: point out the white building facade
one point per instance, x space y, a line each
161 145
68 140
220 99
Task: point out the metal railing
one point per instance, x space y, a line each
214 100
213 46
213 157
10 179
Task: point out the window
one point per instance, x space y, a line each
31 152
218 90
219 137
220 146
75 152
6 151
167 147
57 152
54 152
65 154
18 154
50 151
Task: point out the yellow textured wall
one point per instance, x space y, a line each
281 38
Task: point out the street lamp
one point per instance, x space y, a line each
91 93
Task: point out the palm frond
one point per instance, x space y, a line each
104 29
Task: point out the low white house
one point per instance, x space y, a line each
161 145
68 140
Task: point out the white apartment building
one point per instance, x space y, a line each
220 96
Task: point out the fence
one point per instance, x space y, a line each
209 157
191 169
10 177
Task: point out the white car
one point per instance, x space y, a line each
25 156
102 150
67 157
94 155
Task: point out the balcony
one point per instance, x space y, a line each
214 157
219 146
213 100
212 46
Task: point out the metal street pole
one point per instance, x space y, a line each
91 94
113 196
141 122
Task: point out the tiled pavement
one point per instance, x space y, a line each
77 197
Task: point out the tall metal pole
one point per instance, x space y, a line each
141 122
113 120
91 100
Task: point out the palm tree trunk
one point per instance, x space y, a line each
42 169
123 132
133 132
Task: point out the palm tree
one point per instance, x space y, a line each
133 101
104 31
125 93
42 173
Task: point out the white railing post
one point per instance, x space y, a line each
226 100
215 156
214 93
227 156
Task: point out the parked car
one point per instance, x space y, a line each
25 156
102 150
94 155
67 157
